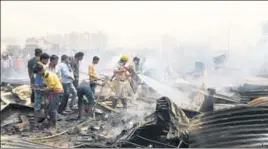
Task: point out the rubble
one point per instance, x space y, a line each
152 120
25 125
164 128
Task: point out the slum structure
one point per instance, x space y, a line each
215 120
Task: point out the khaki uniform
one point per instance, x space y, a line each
121 85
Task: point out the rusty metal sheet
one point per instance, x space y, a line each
24 93
262 101
13 142
236 127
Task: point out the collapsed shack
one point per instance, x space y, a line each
253 88
169 127
237 127
162 129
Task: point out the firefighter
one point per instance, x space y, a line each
121 75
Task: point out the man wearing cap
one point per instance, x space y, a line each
121 75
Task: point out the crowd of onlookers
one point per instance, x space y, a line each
11 65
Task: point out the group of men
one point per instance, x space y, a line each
10 64
53 83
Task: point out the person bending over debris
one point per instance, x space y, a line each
121 76
31 63
93 74
85 91
53 91
67 82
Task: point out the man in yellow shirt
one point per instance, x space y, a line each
53 90
93 77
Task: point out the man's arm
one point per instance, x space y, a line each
119 70
75 70
58 72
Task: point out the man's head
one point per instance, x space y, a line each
65 59
136 60
71 58
54 59
4 55
44 58
79 56
96 60
38 69
38 52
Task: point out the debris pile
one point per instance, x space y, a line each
151 120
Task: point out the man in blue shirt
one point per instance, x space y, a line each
39 82
67 79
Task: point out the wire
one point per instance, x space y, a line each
179 144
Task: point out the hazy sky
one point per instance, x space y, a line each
134 23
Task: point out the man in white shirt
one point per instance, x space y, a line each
53 65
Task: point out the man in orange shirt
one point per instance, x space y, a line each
20 64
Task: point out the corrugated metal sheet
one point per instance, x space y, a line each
241 126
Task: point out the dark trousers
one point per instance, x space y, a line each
53 106
32 96
68 88
76 82
81 93
64 99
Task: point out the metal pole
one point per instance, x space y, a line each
228 41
